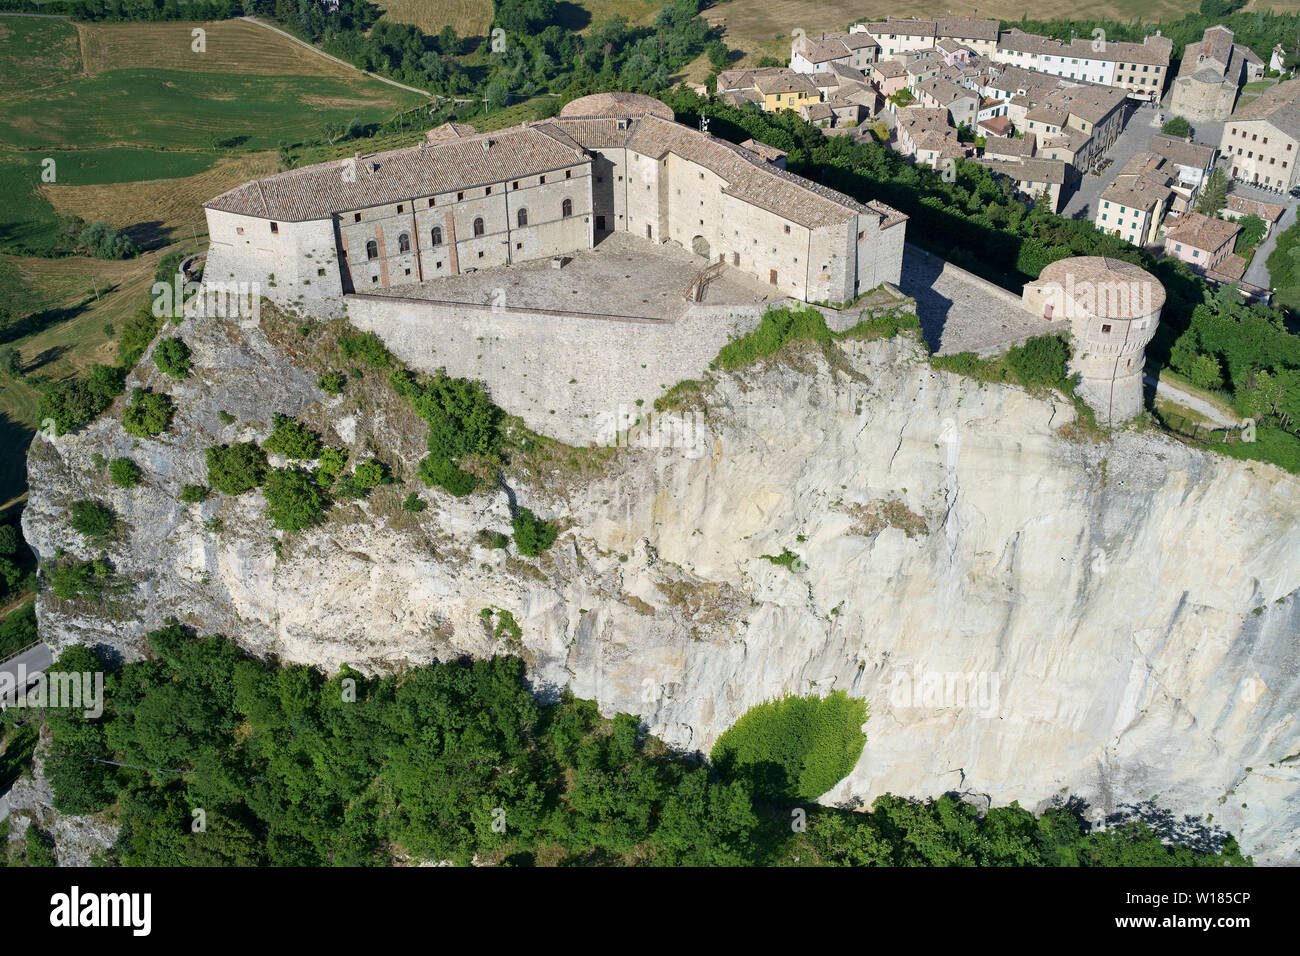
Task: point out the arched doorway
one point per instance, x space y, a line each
700 246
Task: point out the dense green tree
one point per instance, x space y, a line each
293 499
172 356
235 469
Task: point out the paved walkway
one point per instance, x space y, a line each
1140 126
960 312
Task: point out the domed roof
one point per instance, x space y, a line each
616 104
1101 287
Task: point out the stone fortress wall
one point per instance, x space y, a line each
566 375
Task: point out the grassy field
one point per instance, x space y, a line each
142 130
73 332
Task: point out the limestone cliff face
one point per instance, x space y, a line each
1030 617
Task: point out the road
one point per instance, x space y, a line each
1138 130
34 660
1257 271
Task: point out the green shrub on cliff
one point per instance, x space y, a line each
172 356
148 414
796 748
293 499
92 519
124 472
533 535
235 469
292 439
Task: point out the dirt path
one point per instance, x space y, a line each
317 50
1171 392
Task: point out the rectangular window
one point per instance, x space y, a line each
787 229
541 179
275 227
487 191
568 174
459 196
431 202
515 184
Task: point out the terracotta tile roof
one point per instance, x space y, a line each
1232 267
1027 170
1202 232
1084 276
1153 50
966 28
320 191
907 27
788 81
1141 184
1192 155
1279 105
1253 207
616 104
1090 103
747 176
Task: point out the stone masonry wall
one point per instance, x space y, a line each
565 375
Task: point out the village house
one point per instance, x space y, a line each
1201 241
926 135
1134 205
1261 139
1032 177
1138 68
856 51
962 104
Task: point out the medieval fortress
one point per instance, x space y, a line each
576 265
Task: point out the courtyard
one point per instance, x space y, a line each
624 276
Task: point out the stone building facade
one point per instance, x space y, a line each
1261 140
464 200
1211 73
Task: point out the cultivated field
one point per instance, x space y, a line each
161 211
232 46
142 85
755 26
469 18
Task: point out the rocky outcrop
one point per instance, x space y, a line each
1030 617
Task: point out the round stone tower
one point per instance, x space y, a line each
1113 308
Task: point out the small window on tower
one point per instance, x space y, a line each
275 227
1105 329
